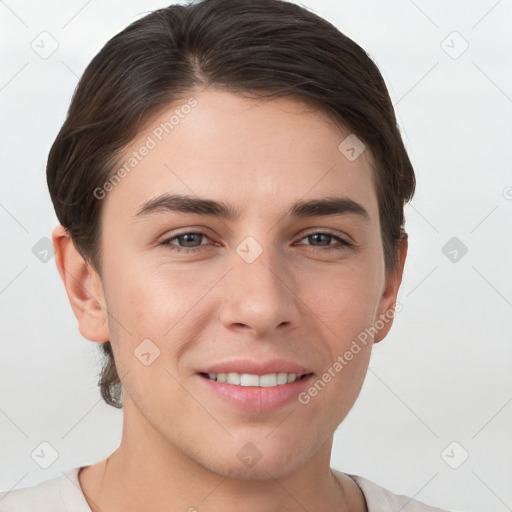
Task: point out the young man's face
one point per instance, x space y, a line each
255 289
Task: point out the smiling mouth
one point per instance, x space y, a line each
252 380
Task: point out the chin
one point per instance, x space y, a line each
249 463
259 472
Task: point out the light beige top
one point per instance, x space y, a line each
64 494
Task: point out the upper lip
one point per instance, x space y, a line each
257 367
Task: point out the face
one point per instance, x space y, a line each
265 290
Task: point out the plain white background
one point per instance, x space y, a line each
443 374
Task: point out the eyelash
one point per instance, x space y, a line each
344 243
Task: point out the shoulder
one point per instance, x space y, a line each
379 499
59 494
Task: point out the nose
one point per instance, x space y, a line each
260 296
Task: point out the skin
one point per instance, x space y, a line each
296 301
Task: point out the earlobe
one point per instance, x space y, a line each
83 287
389 296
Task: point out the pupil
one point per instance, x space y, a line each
189 237
319 235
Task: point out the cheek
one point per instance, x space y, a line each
158 303
344 298
153 295
153 320
343 306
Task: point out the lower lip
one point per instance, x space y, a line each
257 399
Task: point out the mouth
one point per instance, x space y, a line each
253 392
267 380
253 385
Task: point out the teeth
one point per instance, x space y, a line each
269 380
249 379
282 378
233 378
246 379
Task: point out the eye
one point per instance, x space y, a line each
190 240
321 236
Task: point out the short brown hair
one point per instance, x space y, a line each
267 48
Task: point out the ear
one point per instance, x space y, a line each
83 287
388 299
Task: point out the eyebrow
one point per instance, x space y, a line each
192 204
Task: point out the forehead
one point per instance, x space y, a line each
254 154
